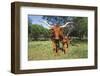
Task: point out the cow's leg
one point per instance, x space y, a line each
65 47
54 46
57 45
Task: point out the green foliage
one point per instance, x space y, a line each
37 32
81 26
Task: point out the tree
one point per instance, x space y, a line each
38 32
61 20
29 29
81 26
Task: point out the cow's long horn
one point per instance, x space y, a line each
44 21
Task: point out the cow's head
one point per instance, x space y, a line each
57 32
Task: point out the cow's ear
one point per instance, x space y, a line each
51 30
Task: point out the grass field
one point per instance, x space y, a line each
42 50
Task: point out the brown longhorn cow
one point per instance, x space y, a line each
58 37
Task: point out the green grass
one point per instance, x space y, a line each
42 50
